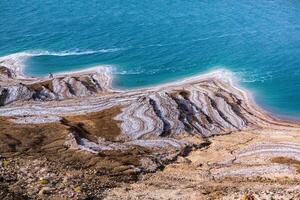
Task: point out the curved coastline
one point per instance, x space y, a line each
205 123
16 63
158 100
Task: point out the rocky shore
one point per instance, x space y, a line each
72 135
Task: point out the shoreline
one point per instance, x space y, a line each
222 74
217 73
205 128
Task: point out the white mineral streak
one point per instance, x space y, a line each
158 143
169 111
45 94
198 98
15 93
291 150
74 142
153 117
36 119
214 110
139 120
259 170
61 87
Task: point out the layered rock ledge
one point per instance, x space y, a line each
79 117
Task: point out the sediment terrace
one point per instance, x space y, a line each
199 130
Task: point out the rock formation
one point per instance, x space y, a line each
139 130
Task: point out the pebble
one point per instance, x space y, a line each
181 159
45 190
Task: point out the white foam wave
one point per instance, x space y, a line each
17 61
26 54
70 52
73 53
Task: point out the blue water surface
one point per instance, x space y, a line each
151 42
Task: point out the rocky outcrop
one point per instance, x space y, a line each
204 109
13 93
78 122
58 88
163 117
6 73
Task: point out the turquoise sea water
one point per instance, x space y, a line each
150 42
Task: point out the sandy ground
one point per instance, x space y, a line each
221 171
